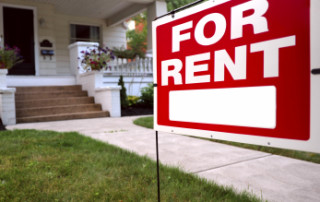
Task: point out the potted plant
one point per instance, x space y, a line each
8 58
96 58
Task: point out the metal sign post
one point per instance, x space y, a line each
158 172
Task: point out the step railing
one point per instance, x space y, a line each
135 67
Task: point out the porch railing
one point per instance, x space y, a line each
136 67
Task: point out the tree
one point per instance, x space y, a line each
123 93
174 4
137 38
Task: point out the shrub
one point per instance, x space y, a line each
123 93
133 100
147 96
124 53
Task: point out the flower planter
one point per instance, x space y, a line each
3 78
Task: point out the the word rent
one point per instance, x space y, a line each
220 60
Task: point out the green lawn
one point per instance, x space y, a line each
52 166
145 122
307 156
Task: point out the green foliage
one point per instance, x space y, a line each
9 57
144 122
137 43
306 156
137 39
174 4
133 100
124 53
147 96
96 58
123 93
52 166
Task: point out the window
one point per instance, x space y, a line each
84 33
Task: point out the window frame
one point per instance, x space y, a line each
75 39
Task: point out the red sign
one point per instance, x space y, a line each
236 66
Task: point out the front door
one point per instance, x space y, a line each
19 32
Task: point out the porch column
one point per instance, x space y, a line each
158 8
92 81
7 106
75 55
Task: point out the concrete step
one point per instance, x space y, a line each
54 102
42 111
48 95
68 116
42 89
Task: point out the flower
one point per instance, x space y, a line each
9 57
96 58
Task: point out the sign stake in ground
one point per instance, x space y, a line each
240 70
158 172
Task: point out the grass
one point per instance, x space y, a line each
145 122
307 156
52 166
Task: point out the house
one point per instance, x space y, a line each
51 34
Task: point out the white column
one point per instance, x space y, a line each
3 78
75 53
90 81
7 106
109 98
157 9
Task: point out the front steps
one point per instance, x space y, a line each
55 103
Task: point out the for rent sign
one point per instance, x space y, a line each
240 70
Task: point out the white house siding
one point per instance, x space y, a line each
115 36
47 65
56 29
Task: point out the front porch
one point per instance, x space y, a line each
57 65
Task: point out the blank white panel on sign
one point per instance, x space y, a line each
246 106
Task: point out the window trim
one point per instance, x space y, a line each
85 24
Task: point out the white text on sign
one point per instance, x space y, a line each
220 58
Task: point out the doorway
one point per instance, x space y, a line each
18 30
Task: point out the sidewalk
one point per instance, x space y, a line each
272 177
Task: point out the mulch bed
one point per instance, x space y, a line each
134 111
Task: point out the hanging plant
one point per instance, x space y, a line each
96 58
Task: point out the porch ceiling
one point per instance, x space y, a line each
103 9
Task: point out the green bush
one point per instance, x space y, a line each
147 96
123 93
133 100
124 53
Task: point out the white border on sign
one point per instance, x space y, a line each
256 107
312 145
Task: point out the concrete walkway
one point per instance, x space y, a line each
272 177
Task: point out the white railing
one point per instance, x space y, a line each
136 74
137 67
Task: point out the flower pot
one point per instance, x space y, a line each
3 78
